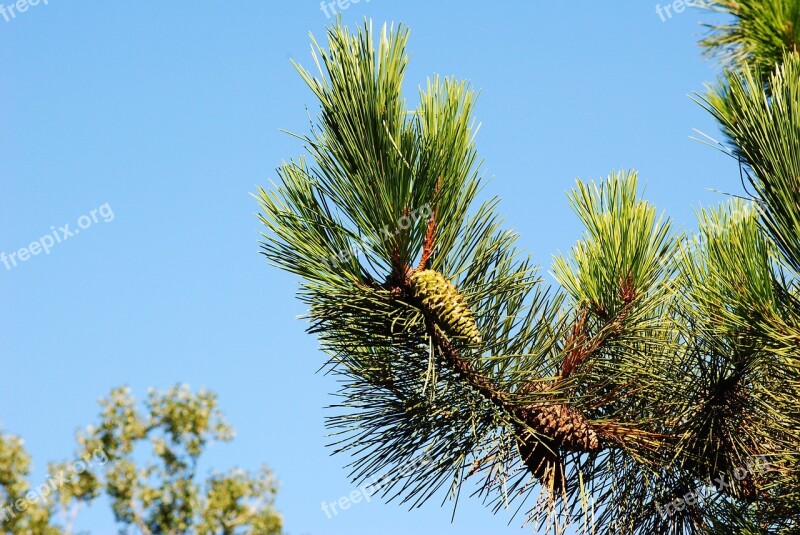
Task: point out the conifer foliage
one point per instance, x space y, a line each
655 390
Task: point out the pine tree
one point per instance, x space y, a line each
655 390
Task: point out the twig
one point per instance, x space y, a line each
430 234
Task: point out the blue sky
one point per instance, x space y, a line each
169 114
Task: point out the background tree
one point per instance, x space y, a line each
653 391
159 493
15 467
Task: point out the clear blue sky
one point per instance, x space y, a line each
170 113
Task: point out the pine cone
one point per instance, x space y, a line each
558 427
565 426
448 307
542 459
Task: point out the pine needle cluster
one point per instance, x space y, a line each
655 390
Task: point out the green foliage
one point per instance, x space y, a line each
765 133
155 493
756 33
733 296
376 162
654 391
238 502
625 248
17 513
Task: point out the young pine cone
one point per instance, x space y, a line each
448 307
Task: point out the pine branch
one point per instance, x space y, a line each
661 364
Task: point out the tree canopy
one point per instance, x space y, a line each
152 492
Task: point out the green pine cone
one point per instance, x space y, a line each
445 304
